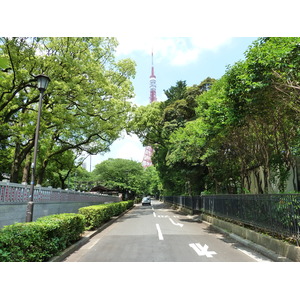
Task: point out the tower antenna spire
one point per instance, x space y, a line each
152 56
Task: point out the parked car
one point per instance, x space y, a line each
146 201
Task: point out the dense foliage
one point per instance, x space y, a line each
128 177
84 107
40 240
96 215
46 237
238 132
156 123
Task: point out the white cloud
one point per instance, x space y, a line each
162 97
127 147
178 51
130 148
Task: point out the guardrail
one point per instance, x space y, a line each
277 213
19 193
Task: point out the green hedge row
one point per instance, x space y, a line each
40 240
46 237
98 214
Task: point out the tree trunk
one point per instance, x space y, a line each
41 172
19 157
26 169
14 174
266 172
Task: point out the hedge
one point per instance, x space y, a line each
40 240
46 237
96 215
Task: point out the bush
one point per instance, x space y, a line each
96 215
71 226
40 240
47 236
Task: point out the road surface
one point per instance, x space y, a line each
157 233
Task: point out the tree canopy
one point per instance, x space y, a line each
128 177
216 136
157 122
85 106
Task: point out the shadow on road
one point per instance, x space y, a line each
222 236
137 212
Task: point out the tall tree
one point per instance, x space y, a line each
85 107
124 175
156 123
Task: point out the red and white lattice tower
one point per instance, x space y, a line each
149 151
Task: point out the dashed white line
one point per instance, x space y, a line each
154 214
160 236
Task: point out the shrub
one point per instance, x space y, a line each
96 215
129 203
71 226
47 236
40 240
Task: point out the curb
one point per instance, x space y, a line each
277 250
86 238
262 250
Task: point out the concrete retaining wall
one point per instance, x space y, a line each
280 247
11 213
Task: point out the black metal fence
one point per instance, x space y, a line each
191 202
277 213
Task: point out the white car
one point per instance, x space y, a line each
146 201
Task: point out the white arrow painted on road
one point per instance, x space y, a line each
201 251
176 224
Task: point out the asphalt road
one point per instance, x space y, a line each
158 234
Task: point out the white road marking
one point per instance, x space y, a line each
154 214
176 224
160 236
258 257
92 244
201 251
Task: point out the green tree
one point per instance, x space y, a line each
85 106
123 175
215 135
245 121
262 93
156 123
151 184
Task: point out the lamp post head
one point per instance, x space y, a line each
42 81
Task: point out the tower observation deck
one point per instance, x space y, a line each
148 150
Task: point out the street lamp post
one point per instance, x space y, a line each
42 81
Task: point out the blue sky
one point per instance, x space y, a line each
190 58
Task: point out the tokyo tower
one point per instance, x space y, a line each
148 150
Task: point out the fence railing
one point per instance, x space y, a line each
19 193
278 213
